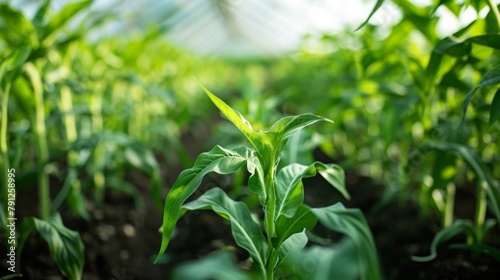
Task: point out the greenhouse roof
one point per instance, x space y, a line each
234 27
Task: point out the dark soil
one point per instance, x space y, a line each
121 242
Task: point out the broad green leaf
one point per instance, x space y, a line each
217 160
234 116
375 8
219 265
65 245
246 232
12 65
491 78
16 29
495 108
260 141
488 40
456 47
256 180
452 46
319 263
61 18
289 188
458 227
288 224
296 241
285 127
351 223
41 15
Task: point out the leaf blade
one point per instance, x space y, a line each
65 245
375 8
491 78
217 160
246 232
351 222
289 188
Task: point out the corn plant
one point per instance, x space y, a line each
25 43
454 147
281 195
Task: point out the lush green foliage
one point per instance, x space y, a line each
415 108
423 122
81 115
281 196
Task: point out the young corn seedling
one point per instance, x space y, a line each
281 195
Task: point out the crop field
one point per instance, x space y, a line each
369 152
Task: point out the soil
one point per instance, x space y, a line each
121 242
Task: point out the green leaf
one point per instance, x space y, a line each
217 160
459 226
60 19
494 108
246 232
288 224
479 249
285 127
259 140
296 241
12 65
456 47
256 179
318 263
41 14
16 29
351 223
289 188
453 47
143 159
492 77
488 40
65 245
234 116
218 265
375 8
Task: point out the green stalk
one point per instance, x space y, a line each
495 12
480 215
69 117
450 205
97 127
41 140
269 222
4 158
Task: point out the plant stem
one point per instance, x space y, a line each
269 221
41 140
449 205
480 215
4 158
97 127
494 10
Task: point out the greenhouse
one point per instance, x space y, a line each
230 139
